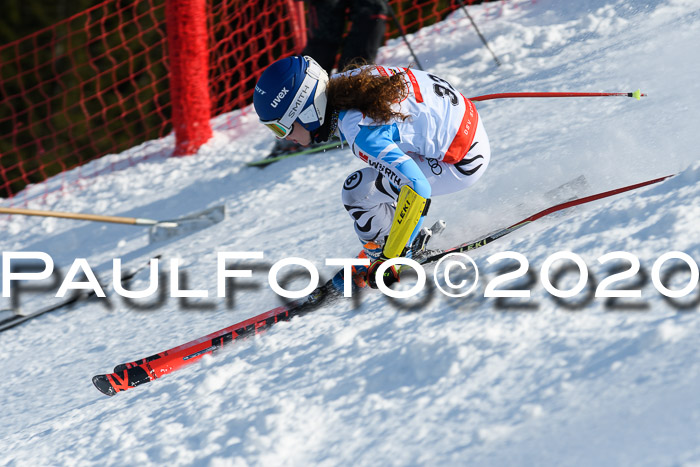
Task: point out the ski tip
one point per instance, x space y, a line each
103 385
259 165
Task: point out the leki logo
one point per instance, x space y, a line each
278 99
403 212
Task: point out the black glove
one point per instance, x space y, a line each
391 275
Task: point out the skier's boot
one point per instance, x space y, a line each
370 250
420 243
373 251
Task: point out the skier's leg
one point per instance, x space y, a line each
366 36
370 200
325 34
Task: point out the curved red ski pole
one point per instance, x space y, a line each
510 95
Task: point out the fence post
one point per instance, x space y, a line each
298 20
186 23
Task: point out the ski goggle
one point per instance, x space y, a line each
278 129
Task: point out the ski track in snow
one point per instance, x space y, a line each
457 382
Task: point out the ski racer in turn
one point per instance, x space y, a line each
418 135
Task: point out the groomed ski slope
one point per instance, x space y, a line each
453 382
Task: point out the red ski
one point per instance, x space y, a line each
129 375
132 374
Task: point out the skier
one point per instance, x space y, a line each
418 135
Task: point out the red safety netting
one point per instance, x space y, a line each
93 84
245 38
100 82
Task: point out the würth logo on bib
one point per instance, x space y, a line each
278 99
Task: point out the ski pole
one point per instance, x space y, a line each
481 36
508 95
545 212
403 34
87 217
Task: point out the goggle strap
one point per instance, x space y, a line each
292 112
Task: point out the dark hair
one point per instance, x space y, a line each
373 95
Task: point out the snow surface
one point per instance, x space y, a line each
368 382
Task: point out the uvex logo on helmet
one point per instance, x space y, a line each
300 100
278 99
